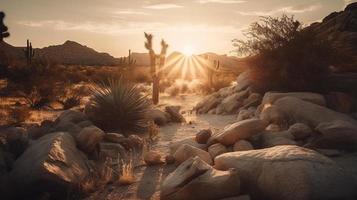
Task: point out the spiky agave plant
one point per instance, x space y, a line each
118 105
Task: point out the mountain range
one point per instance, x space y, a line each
338 27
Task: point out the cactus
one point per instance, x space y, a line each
3 29
29 52
156 73
129 61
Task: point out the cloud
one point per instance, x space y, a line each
130 12
289 9
221 1
163 6
129 27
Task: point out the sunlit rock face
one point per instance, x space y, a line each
289 172
51 164
196 180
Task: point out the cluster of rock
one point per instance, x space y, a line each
288 146
56 157
169 114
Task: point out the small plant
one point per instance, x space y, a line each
127 176
117 105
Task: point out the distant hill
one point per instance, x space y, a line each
73 53
341 29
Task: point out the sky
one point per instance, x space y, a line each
115 26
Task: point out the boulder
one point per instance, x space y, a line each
186 152
242 145
16 140
189 141
289 173
276 139
159 117
273 115
311 114
246 114
336 135
243 81
136 141
271 97
240 197
231 103
300 131
196 180
175 115
72 116
152 158
85 123
113 137
207 104
238 131
52 164
203 136
217 149
112 150
254 99
89 138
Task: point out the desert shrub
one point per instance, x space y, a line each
117 104
284 56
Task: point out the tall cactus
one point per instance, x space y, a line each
29 52
156 73
131 61
3 29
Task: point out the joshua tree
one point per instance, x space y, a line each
3 28
154 60
29 52
127 60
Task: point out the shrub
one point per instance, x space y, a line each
117 105
283 56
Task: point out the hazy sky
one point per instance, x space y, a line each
114 26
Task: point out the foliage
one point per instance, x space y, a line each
283 56
118 105
3 29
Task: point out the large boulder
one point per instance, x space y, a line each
15 139
271 97
309 113
51 164
189 141
175 115
113 137
71 116
152 158
289 173
243 81
186 152
159 117
254 99
89 138
196 180
336 135
239 131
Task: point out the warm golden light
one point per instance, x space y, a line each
188 51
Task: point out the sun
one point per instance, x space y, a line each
188 51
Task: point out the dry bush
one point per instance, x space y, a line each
283 56
127 175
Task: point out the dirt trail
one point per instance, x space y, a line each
149 179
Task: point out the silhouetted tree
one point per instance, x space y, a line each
284 56
3 29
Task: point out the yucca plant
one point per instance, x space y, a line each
118 105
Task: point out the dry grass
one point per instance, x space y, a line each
153 130
127 175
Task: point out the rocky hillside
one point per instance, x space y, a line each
73 53
341 29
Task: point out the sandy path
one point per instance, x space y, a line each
149 179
